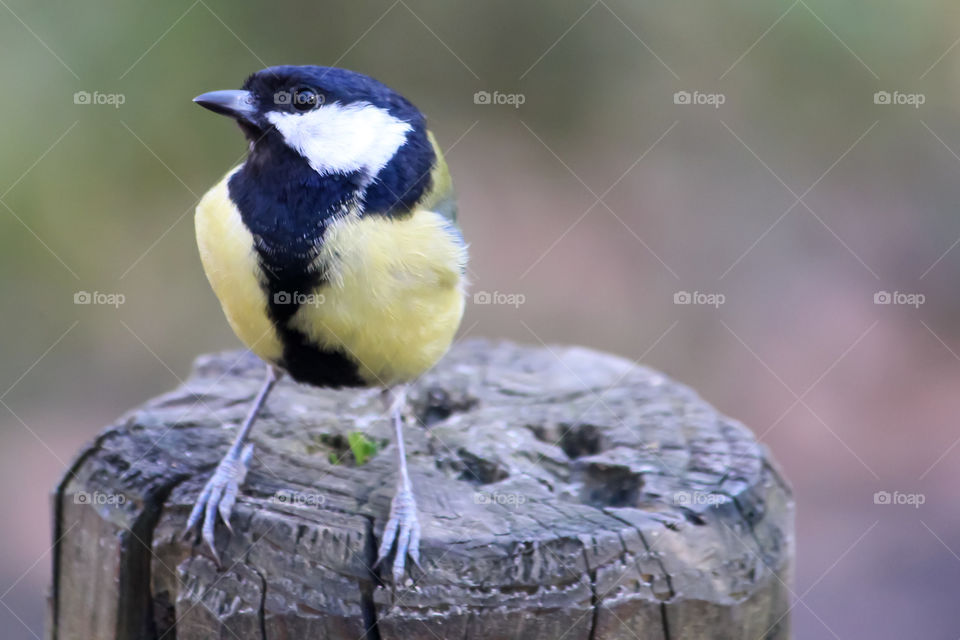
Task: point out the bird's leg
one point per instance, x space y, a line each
402 527
220 493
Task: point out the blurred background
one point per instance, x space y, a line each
758 198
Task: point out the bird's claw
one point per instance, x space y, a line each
219 495
402 527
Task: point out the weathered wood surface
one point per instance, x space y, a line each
563 494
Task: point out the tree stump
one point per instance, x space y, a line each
563 494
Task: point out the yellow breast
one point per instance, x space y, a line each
230 262
391 300
393 296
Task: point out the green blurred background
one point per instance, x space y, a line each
853 397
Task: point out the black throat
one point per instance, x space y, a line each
287 206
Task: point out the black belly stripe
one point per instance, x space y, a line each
288 285
287 206
287 292
308 364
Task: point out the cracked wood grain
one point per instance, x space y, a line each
564 493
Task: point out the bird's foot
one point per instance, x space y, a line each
403 527
219 495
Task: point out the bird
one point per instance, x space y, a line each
335 252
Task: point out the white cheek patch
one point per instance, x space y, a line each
343 139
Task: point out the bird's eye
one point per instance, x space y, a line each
305 99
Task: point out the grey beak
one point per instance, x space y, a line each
234 103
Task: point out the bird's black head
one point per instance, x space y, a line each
339 122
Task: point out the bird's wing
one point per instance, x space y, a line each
441 198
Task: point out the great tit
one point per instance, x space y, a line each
335 253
